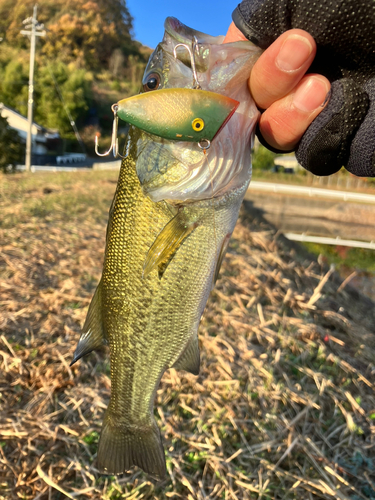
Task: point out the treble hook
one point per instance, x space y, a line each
114 140
191 50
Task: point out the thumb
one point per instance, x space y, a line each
234 34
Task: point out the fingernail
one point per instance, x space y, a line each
293 53
311 94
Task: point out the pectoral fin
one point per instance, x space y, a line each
189 359
167 242
92 336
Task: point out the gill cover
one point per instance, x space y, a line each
178 114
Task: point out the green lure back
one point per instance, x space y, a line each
178 114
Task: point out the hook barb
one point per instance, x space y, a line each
96 148
114 141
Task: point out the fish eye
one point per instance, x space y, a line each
152 82
198 124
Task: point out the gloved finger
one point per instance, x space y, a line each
281 67
362 149
327 143
286 120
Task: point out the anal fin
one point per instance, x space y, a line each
223 250
92 336
167 242
190 358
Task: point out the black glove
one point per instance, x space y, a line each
343 134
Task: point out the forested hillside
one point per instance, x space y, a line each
88 56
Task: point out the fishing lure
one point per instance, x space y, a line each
177 114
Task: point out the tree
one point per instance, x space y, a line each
263 159
13 85
88 44
12 149
56 82
84 31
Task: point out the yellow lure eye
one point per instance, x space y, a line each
198 124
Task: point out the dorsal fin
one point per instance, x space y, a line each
190 358
168 241
92 336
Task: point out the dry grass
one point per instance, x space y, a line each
284 406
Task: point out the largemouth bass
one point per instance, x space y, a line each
173 213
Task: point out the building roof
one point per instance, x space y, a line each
39 129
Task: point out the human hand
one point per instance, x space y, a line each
279 85
344 32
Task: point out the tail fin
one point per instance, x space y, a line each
120 448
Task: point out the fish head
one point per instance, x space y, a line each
180 171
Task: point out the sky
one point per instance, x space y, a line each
210 16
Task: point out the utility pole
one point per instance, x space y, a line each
36 30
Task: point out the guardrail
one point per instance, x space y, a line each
260 186
306 238
311 192
110 165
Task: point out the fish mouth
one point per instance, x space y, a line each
177 32
180 171
183 34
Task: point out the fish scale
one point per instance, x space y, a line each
165 314
163 255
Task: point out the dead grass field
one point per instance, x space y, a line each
284 407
